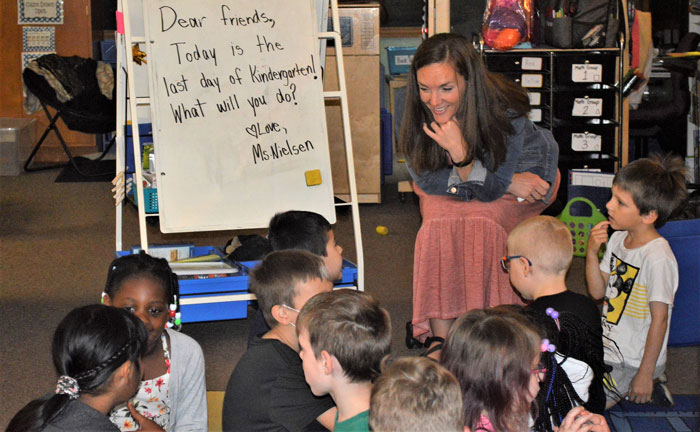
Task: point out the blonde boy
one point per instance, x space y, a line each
539 255
416 394
343 336
638 276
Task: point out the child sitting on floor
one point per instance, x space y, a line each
97 352
343 336
267 390
297 229
495 356
416 394
539 255
637 277
173 388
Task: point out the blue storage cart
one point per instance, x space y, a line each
212 298
348 278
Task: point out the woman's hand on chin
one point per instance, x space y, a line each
448 135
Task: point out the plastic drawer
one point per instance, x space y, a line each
529 79
606 163
517 62
585 68
577 138
585 104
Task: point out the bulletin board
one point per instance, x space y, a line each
236 96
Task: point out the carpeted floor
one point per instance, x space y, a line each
682 417
57 239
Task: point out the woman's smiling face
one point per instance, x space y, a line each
441 89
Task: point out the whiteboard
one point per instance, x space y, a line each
237 105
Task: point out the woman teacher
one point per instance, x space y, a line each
479 166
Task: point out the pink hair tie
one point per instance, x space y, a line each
67 386
547 347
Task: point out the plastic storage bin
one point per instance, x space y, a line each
684 239
348 277
16 139
193 291
150 199
145 137
400 59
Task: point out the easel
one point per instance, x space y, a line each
126 87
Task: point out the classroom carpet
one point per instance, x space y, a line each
681 417
95 171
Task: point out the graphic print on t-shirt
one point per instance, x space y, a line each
620 285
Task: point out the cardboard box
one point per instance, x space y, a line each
16 140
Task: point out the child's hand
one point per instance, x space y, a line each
145 424
599 235
641 388
578 419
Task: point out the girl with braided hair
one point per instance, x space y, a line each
173 390
96 351
574 371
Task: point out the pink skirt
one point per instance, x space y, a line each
456 266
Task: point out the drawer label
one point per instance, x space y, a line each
531 80
535 98
532 63
587 107
535 115
586 72
586 142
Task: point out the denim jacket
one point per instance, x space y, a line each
531 148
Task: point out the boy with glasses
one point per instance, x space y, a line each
540 254
637 277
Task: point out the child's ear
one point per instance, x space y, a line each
280 314
526 268
125 373
327 360
650 218
106 300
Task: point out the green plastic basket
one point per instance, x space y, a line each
580 226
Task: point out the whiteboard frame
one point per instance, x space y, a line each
126 86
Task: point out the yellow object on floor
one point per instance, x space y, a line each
215 403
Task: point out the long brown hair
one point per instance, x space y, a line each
490 352
483 113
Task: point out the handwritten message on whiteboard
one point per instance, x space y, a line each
239 121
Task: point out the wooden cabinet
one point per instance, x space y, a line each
362 80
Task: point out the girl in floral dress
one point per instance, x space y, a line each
172 391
